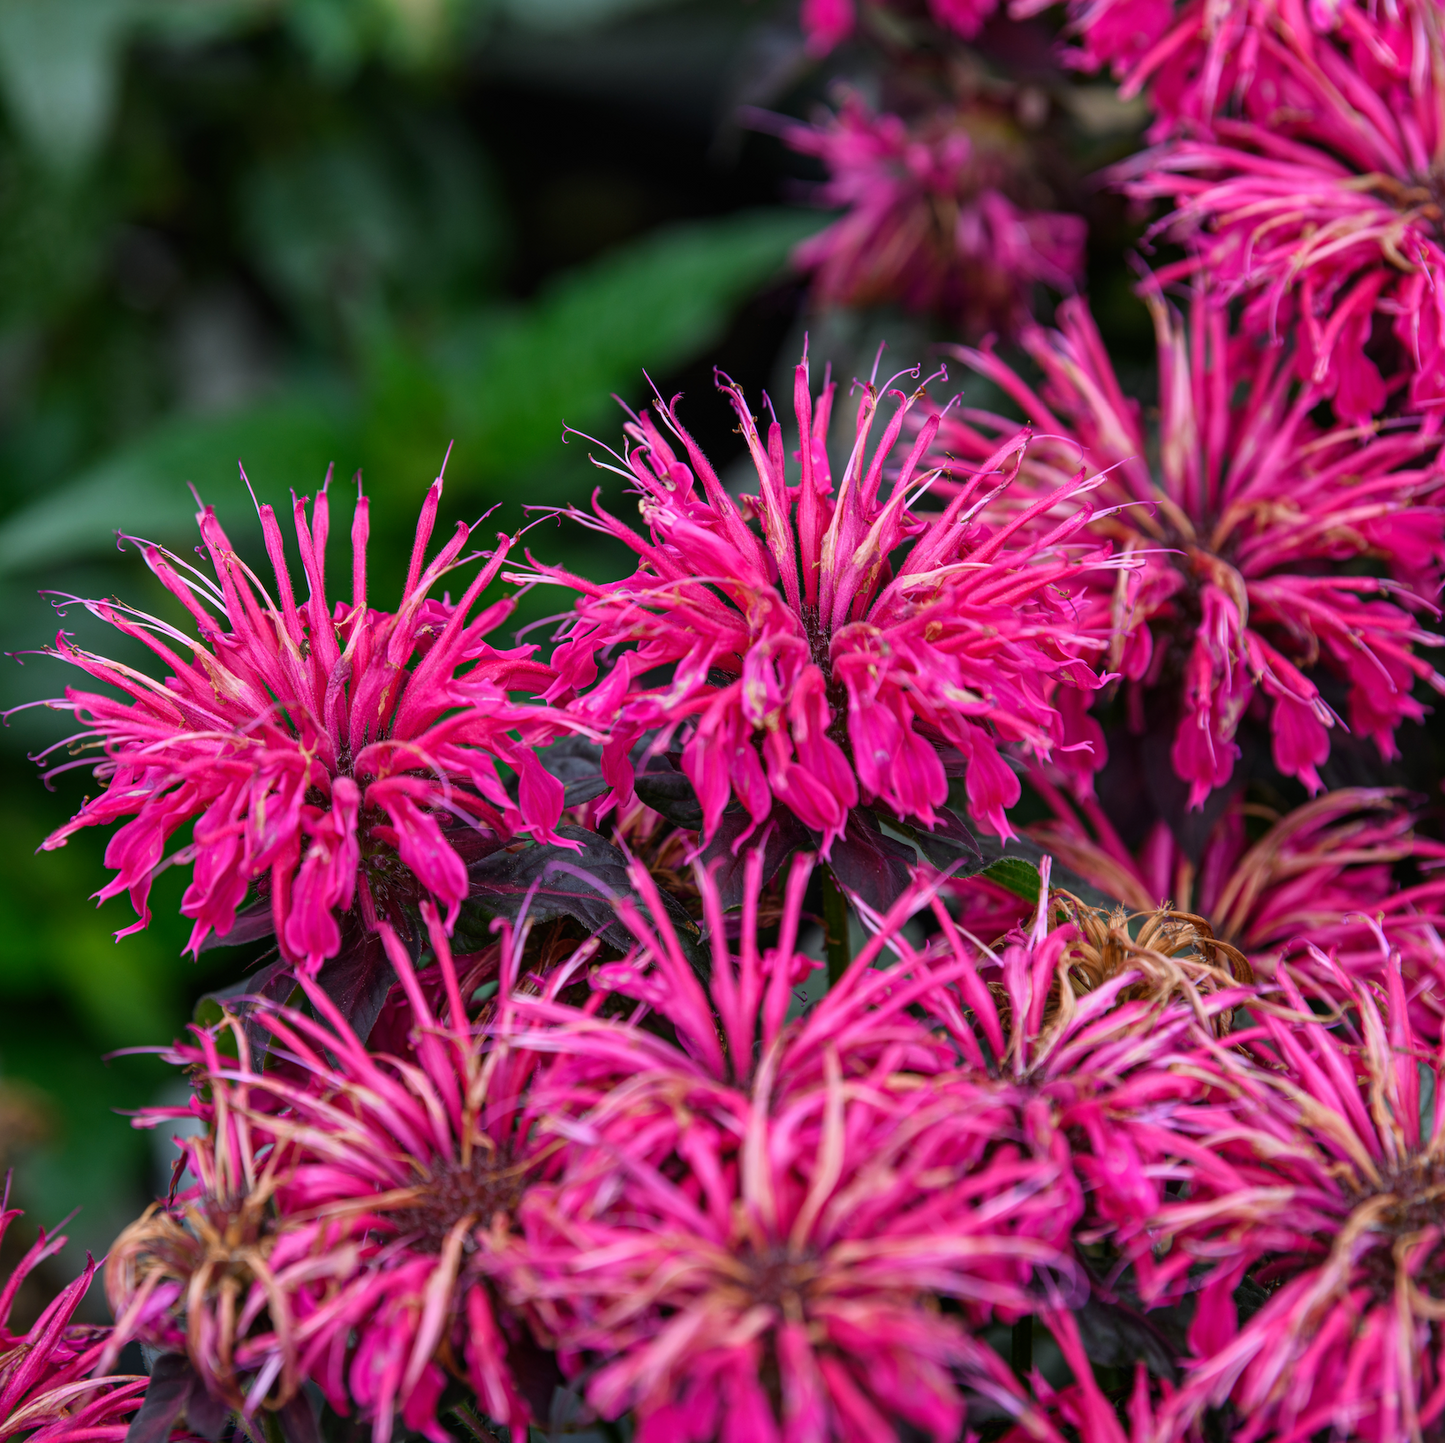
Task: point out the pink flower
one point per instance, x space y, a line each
1301 154
357 1198
770 1199
826 23
339 759
48 1389
1319 1178
1241 525
820 663
1316 875
929 221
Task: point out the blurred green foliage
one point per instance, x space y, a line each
303 233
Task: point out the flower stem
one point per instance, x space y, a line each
1021 1346
835 927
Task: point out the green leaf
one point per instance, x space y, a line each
1015 875
142 490
649 305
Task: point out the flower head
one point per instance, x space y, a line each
821 661
1240 527
48 1388
1318 1176
341 758
1318 874
935 220
1302 153
346 1208
750 1223
826 23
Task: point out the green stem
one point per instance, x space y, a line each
835 927
1021 1347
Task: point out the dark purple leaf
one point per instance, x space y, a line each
273 982
577 764
950 846
666 789
251 925
298 1420
726 855
545 882
873 867
536 1371
205 1415
165 1397
358 978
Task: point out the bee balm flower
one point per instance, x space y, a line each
1242 524
341 758
820 661
933 217
48 1391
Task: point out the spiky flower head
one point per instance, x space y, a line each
347 1205
752 1222
1242 526
827 23
1318 874
1318 1176
340 758
860 647
938 216
1304 154
51 1389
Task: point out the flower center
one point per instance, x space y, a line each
782 1280
1407 1218
488 1184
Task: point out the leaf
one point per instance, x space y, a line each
659 782
358 978
1016 876
1029 852
298 1420
142 490
205 1414
274 983
666 789
949 846
1118 1336
577 764
650 304
59 63
165 1398
545 882
251 925
726 855
870 865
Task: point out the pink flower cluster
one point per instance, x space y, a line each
932 218
1154 1082
684 1198
51 1387
1240 510
827 23
1300 147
